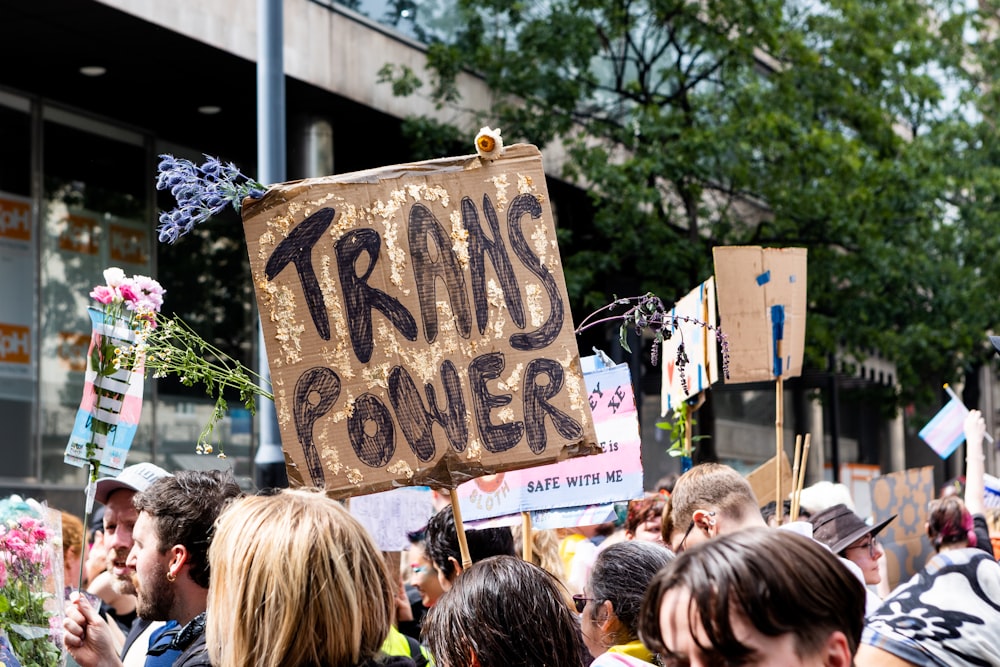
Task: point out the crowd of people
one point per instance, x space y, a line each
185 569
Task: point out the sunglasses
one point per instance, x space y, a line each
871 545
580 602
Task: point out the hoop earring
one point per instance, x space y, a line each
171 577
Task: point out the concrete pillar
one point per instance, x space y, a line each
817 441
897 444
314 149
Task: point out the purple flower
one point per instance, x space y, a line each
201 192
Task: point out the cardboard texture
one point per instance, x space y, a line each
700 344
762 310
417 324
762 480
906 494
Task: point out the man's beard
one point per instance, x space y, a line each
122 585
155 597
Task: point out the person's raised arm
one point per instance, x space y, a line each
975 463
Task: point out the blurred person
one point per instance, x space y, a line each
946 615
993 529
770 513
503 612
72 548
665 485
96 560
708 500
169 556
644 519
770 598
609 605
444 550
423 575
544 549
297 582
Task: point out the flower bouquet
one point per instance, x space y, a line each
112 397
31 575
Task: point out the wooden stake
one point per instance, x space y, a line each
463 544
779 418
797 496
792 514
526 540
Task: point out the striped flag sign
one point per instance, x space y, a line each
946 431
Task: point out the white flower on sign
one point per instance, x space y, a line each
489 144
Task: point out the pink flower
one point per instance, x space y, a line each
103 294
3 573
150 293
128 293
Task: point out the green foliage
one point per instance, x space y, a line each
859 129
682 417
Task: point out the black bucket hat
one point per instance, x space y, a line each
838 527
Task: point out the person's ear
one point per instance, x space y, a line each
606 618
837 651
456 568
705 521
178 557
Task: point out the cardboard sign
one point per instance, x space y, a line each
390 515
762 310
700 345
762 480
417 325
905 494
614 475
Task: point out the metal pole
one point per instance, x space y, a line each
269 461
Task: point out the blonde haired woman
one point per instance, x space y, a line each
297 582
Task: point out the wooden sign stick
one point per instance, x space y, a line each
795 475
779 418
463 544
526 540
800 481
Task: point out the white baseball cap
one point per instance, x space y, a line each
138 477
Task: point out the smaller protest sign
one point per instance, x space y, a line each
762 309
905 494
390 515
762 479
700 347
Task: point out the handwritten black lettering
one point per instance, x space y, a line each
375 449
360 298
423 228
496 437
537 407
316 392
544 335
415 420
480 245
296 248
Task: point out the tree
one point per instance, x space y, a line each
849 127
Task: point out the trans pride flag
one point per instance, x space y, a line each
946 431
